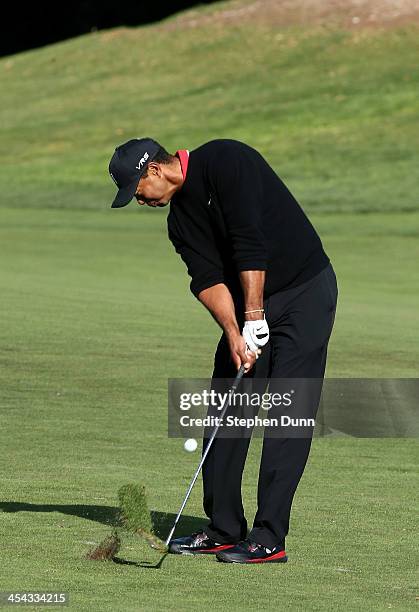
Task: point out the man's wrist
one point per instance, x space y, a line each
254 316
231 330
254 311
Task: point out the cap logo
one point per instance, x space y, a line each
142 161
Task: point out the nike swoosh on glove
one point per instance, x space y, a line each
256 334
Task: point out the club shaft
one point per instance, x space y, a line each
206 451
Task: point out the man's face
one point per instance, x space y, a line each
153 189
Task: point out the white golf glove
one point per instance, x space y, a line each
255 334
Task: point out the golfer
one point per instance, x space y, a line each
259 267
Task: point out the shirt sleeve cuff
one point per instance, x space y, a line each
251 264
198 285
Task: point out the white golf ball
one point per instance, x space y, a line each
190 445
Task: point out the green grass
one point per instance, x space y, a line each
95 309
335 112
95 305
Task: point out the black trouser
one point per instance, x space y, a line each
300 322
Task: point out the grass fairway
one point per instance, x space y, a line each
89 338
95 304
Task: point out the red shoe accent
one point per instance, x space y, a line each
278 555
218 548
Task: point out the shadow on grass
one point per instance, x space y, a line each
163 522
109 515
143 564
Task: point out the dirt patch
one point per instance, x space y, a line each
351 14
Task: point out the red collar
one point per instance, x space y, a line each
183 155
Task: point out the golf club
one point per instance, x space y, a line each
207 449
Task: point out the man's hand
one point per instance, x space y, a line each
256 334
218 300
255 331
239 353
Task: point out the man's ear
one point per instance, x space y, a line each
154 168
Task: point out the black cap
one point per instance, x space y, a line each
128 164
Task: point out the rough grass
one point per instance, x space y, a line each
134 508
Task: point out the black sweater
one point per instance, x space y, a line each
233 213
